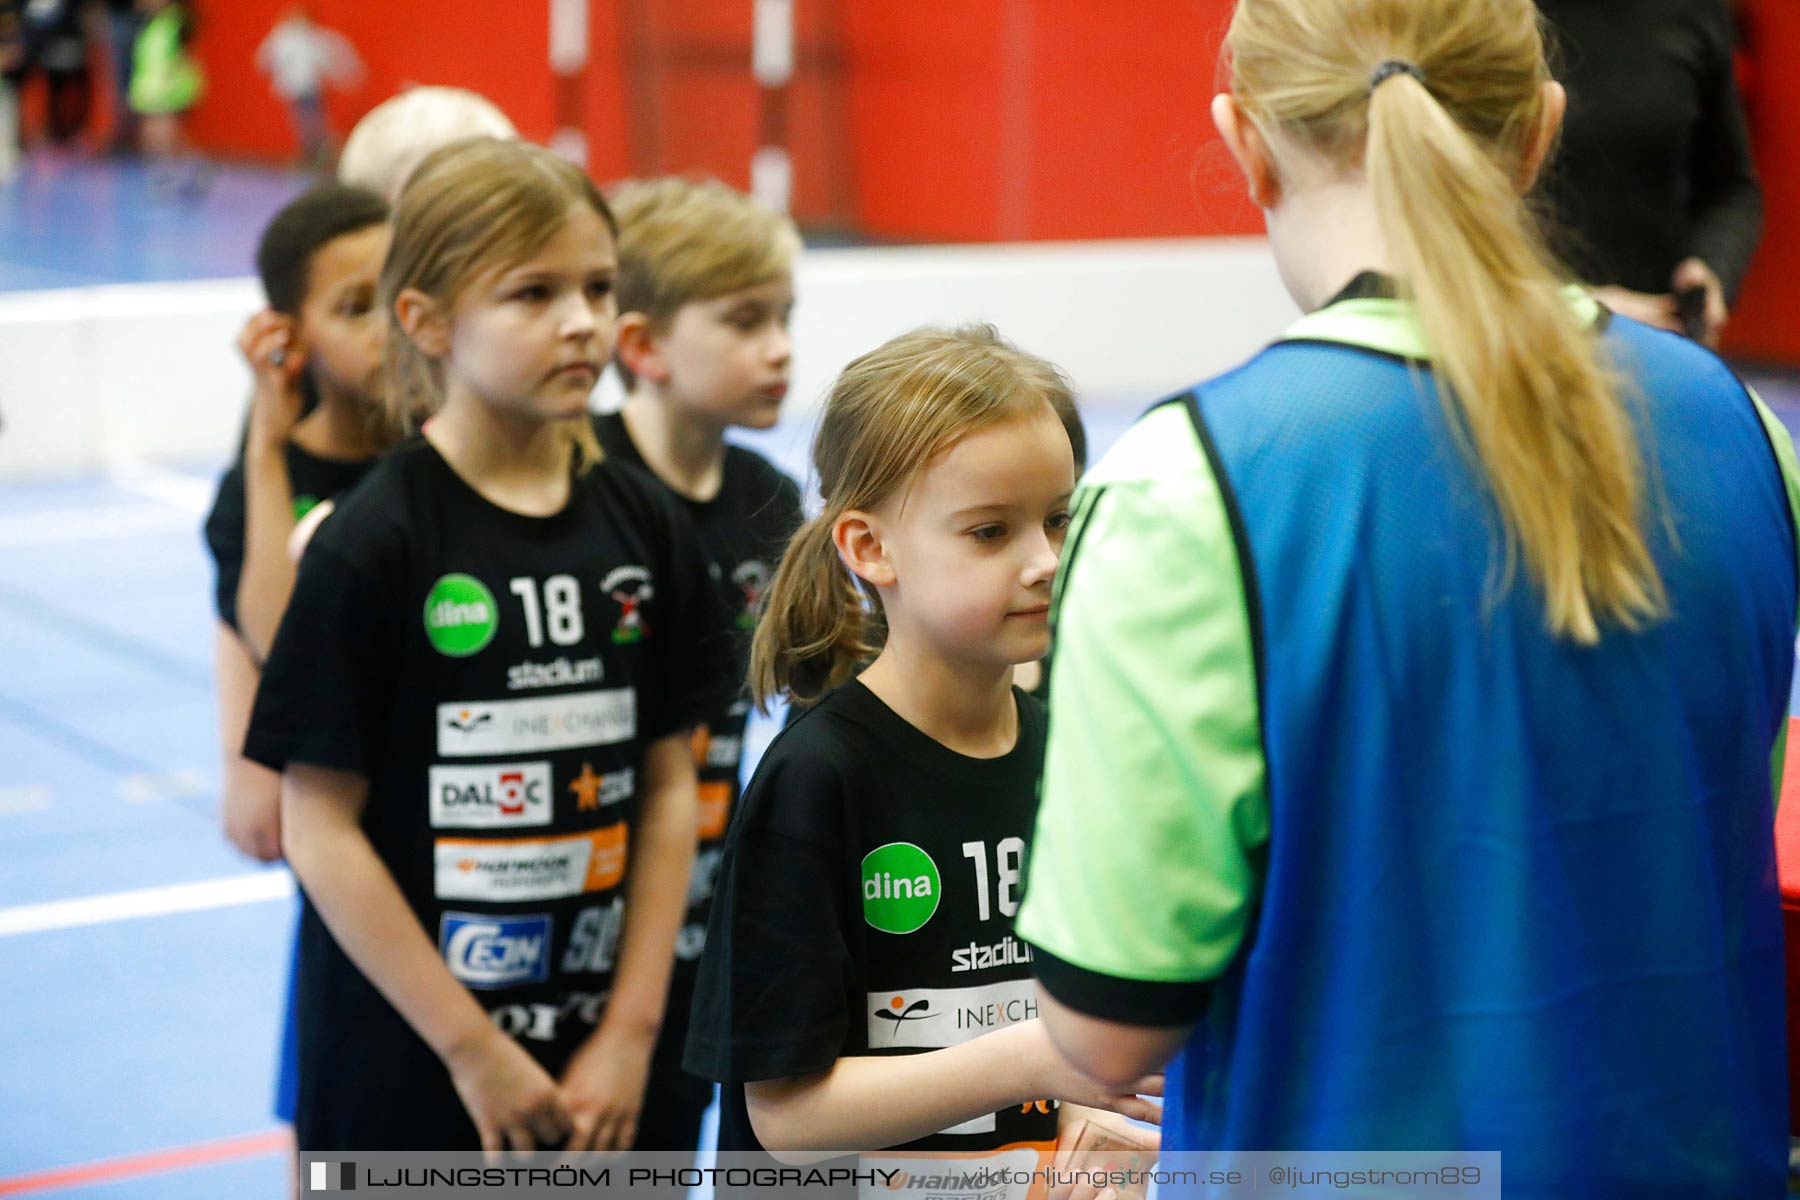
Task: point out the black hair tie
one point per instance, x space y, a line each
1390 67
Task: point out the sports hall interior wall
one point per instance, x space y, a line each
934 120
98 377
895 122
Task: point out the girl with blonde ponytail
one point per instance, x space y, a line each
1418 683
871 874
892 413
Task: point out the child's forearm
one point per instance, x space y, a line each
656 887
363 907
267 581
867 1103
249 793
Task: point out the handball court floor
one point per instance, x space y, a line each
142 961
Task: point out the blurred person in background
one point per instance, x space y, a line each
123 22
166 81
12 53
51 40
302 59
396 134
1653 192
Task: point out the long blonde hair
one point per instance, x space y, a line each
1527 384
470 209
889 416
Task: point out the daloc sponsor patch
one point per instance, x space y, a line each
500 796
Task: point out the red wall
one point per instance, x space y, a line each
1150 162
934 119
1765 326
499 50
896 118
1038 119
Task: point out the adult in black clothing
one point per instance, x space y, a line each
1653 191
51 39
123 21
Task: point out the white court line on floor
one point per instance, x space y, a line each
152 788
147 902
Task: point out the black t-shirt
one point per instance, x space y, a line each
865 906
744 531
496 677
310 478
1654 163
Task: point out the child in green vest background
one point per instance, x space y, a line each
166 81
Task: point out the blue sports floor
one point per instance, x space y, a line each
123 1035
144 960
70 220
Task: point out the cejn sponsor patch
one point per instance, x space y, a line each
485 951
932 1018
530 869
603 717
497 796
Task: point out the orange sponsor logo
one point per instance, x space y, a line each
606 866
586 787
715 806
564 866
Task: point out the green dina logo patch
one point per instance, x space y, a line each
460 615
900 888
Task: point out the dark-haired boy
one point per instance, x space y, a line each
316 354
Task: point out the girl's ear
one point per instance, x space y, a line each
1543 138
424 321
635 342
1246 144
857 536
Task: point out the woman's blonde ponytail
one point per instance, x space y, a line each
1439 102
1521 372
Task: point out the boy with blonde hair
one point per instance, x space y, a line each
705 290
